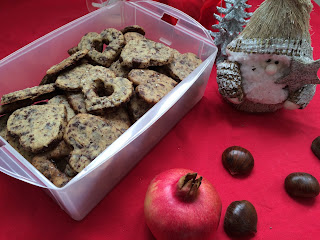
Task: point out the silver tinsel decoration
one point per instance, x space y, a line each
233 22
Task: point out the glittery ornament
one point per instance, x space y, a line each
235 18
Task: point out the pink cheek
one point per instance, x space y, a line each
271 69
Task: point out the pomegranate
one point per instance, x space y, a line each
177 207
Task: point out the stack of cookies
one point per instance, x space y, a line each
84 103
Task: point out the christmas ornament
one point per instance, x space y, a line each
235 17
270 64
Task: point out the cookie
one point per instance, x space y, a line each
11 107
60 151
73 59
58 156
28 93
77 102
142 76
137 107
119 118
89 135
73 50
115 42
104 90
119 70
152 86
182 65
50 171
38 127
133 28
153 91
160 69
70 80
3 125
92 42
132 36
62 99
14 142
48 78
144 53
69 171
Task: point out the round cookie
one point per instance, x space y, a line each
38 127
89 135
143 53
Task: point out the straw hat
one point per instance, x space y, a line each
277 27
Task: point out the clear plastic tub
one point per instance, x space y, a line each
90 186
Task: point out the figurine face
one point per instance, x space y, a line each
259 73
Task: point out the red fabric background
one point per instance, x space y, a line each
280 143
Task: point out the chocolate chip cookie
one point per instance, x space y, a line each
144 53
89 135
38 127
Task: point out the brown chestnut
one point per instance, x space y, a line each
315 147
300 184
240 219
237 160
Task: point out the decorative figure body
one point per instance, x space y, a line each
270 64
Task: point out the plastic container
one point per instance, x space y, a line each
90 186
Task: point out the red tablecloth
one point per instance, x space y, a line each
280 143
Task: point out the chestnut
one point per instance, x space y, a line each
315 147
237 160
240 219
300 184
